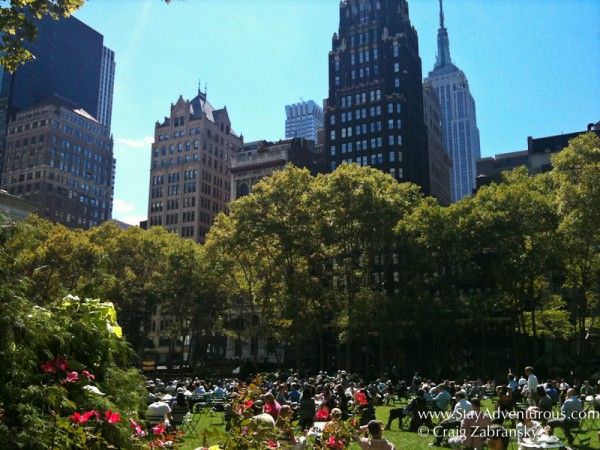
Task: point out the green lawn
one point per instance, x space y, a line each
401 439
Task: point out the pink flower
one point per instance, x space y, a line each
61 363
89 376
272 443
49 367
158 429
76 417
112 417
72 377
138 430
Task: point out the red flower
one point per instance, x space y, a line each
88 415
272 444
322 415
49 367
158 429
248 403
89 376
76 417
72 377
361 398
112 417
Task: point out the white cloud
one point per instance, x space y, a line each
144 142
131 220
119 206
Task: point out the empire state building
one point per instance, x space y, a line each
459 118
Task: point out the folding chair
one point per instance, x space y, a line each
190 424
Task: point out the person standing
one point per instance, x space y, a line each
532 384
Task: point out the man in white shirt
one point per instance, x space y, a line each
532 384
461 408
157 412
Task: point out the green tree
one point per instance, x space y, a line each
576 176
359 208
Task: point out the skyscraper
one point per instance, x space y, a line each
60 157
459 121
189 177
105 91
374 113
70 61
439 161
303 120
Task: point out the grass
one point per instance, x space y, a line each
403 440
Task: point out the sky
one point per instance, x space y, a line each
533 67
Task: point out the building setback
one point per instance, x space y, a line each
303 120
189 176
60 157
70 61
261 158
459 118
439 161
374 113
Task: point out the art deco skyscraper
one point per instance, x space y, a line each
374 113
459 119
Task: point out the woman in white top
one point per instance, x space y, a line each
528 428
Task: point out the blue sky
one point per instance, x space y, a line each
533 67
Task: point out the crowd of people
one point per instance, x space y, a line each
323 397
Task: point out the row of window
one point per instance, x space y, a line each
374 111
360 98
69 218
27 141
78 149
67 129
172 161
348 147
180 133
76 119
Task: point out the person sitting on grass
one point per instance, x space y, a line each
376 441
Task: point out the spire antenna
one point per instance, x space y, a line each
441 14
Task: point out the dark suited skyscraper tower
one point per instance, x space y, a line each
374 113
459 116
